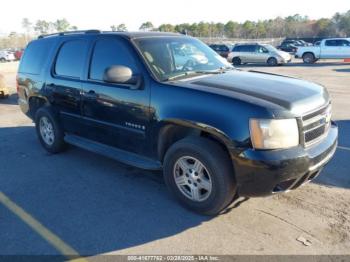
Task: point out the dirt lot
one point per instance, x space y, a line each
94 205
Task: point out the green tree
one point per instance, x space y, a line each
344 24
27 25
113 28
147 26
248 28
166 28
42 27
61 25
231 29
122 27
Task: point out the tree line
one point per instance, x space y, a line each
291 26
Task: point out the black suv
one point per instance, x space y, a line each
221 49
163 101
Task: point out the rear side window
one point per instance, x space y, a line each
337 42
71 58
108 52
35 56
237 49
343 43
245 48
223 48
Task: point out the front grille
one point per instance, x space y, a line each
315 125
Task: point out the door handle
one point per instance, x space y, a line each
91 95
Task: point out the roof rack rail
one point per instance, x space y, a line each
91 31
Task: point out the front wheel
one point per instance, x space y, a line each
272 61
309 58
200 175
236 61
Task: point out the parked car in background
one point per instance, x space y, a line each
6 56
4 91
332 48
18 54
295 42
221 49
258 53
287 47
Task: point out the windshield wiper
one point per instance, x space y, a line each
189 73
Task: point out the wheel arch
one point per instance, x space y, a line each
36 102
308 52
173 130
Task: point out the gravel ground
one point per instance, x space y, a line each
96 205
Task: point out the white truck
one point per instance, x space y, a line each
332 48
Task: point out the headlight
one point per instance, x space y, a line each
274 133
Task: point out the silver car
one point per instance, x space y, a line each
6 56
258 53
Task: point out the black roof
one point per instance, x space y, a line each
139 34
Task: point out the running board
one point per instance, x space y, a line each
125 157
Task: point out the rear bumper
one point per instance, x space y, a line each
261 173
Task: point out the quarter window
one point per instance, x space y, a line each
35 57
71 58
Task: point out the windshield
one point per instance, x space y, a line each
176 57
271 48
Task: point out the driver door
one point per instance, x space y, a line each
115 114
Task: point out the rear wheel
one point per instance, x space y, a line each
309 58
49 130
2 60
236 61
272 61
200 175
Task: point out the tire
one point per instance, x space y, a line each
309 58
236 61
49 130
272 61
2 60
215 185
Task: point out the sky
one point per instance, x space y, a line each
101 14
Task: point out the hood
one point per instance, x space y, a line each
295 95
284 55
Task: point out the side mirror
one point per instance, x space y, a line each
119 74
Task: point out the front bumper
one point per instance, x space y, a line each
264 172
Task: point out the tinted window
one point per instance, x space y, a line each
71 58
338 42
247 48
237 48
261 49
35 57
109 52
343 43
244 48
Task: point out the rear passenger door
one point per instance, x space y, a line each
248 54
64 83
331 49
115 114
344 48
